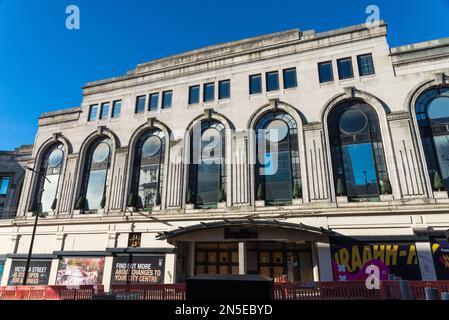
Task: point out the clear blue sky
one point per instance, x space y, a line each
43 65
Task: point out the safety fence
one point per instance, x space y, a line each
349 290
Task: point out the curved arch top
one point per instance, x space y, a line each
155 124
350 94
57 138
101 131
212 114
277 105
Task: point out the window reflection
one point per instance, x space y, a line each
207 172
95 173
277 169
357 152
48 182
148 168
432 114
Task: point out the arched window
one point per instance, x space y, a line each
95 173
207 169
358 158
432 114
148 169
277 165
48 181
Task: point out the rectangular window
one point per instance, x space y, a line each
224 89
4 185
325 71
366 65
272 79
116 108
93 112
134 240
209 92
104 114
255 84
194 94
140 104
345 68
290 80
167 99
154 102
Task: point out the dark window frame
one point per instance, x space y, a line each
267 83
340 71
90 117
254 76
150 99
114 113
320 64
9 178
138 111
360 56
197 101
105 116
295 85
220 96
209 84
164 99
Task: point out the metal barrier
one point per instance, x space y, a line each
154 291
349 290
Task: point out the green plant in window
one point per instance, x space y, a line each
222 195
386 187
80 203
103 202
131 200
297 191
189 197
340 188
53 204
158 199
437 182
260 193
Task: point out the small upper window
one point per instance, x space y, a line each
209 92
104 114
154 102
4 185
194 94
224 89
93 112
116 108
345 68
134 240
140 104
272 81
167 99
290 80
325 71
255 84
366 65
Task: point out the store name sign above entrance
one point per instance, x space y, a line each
240 233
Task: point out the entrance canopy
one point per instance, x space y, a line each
248 229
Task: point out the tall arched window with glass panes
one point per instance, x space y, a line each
432 114
207 169
278 174
148 169
94 183
45 199
357 151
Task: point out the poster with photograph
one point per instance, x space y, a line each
138 269
77 271
440 253
38 272
350 259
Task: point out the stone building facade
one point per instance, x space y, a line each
361 175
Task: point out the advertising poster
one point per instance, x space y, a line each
440 253
350 259
38 272
2 267
77 271
138 269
